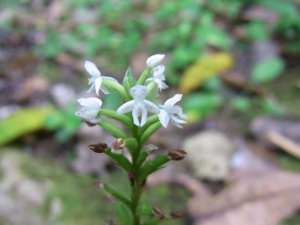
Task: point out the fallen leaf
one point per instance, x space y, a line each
23 122
207 67
262 200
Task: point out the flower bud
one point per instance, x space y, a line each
159 214
149 149
175 214
155 60
99 184
117 147
177 154
109 222
98 148
131 176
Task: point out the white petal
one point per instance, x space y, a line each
91 88
151 107
172 101
176 120
92 69
158 71
104 89
135 117
183 116
90 101
139 92
155 60
126 107
144 117
98 83
176 124
164 117
88 114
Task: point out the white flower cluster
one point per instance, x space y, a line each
139 106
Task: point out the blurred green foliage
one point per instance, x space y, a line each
109 32
63 122
115 29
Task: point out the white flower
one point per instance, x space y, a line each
117 147
139 106
96 79
171 112
90 111
155 60
158 77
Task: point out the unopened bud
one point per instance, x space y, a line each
159 214
149 149
175 214
177 154
117 147
109 222
99 184
98 148
154 60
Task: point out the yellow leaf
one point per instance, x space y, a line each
206 68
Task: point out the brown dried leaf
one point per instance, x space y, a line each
263 200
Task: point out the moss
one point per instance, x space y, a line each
82 202
85 204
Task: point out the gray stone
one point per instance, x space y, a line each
209 154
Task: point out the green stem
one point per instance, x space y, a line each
135 197
117 87
114 130
144 76
112 114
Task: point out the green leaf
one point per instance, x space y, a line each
117 195
267 70
257 31
129 80
152 165
119 159
123 213
204 102
23 122
270 107
241 104
54 121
